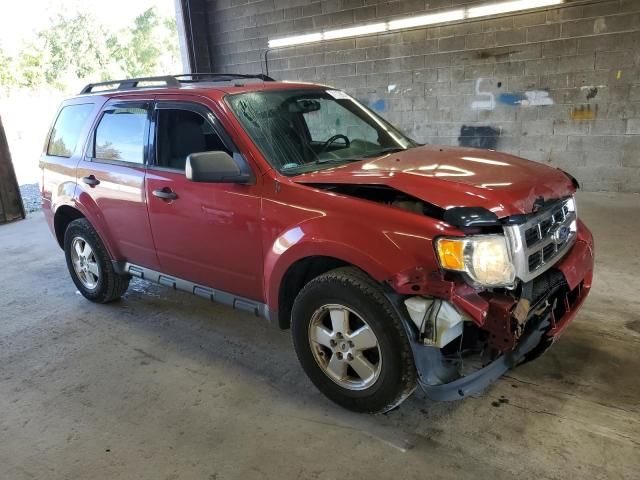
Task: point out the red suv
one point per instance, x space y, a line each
393 263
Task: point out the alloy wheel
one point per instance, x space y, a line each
345 347
84 263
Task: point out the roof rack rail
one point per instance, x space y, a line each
128 84
172 80
200 77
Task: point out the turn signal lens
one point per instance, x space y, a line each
451 253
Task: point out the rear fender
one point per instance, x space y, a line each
84 203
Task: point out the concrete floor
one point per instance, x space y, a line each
163 385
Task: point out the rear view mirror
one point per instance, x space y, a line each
215 167
304 106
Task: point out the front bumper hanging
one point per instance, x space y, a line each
435 374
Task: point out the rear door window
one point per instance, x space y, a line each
120 135
66 131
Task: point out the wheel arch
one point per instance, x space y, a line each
64 215
299 273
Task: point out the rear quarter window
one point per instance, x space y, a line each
66 131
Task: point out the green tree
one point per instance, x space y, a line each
139 54
74 46
30 66
78 47
6 74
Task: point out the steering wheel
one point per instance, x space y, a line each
328 143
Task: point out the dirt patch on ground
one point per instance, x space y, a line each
634 326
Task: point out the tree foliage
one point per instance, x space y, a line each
6 76
77 47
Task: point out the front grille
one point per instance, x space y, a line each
540 231
543 239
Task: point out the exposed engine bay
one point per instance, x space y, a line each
385 195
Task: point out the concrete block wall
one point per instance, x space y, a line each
559 86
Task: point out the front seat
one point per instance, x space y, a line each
187 137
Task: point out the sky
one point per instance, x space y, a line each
19 20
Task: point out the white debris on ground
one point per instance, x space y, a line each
31 197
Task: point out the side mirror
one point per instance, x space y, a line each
215 167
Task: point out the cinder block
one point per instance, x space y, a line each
578 28
451 44
576 63
633 127
510 69
543 143
569 127
588 143
538 128
511 37
529 19
559 48
609 127
540 33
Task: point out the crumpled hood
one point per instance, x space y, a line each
455 177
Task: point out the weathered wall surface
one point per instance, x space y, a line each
559 86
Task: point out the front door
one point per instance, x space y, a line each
207 233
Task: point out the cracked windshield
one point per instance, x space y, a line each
306 130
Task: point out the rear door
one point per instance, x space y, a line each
208 233
112 175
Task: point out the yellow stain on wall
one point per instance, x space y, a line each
584 112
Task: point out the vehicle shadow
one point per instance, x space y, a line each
526 401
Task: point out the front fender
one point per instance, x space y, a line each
298 243
381 253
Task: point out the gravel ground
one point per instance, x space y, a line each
31 197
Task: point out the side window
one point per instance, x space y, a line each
120 135
180 133
332 119
66 131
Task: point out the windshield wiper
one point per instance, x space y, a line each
320 161
385 151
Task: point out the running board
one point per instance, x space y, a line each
218 296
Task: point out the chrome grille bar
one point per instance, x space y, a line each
541 241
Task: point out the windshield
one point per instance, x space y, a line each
300 131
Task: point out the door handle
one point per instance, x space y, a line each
91 181
165 194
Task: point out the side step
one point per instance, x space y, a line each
239 303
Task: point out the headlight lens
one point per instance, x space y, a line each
485 258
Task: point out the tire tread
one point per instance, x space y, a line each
354 277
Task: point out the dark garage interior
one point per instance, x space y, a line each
162 385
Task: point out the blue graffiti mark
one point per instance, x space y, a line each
378 105
512 99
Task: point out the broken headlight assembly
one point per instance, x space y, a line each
486 259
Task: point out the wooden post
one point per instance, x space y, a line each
11 207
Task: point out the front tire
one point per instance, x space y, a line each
89 264
351 343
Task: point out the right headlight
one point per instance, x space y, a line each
485 258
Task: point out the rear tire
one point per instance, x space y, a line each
351 343
89 264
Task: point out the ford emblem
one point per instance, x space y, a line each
560 235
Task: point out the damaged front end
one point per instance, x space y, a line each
465 337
